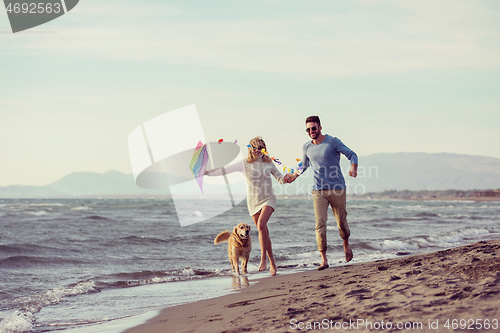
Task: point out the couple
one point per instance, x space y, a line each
322 154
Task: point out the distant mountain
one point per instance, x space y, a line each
78 184
19 191
423 171
90 183
376 173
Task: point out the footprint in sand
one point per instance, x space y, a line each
359 293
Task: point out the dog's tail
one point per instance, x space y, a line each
222 237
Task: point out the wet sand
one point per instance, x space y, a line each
455 290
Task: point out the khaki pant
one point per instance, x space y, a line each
337 200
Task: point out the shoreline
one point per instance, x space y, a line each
471 199
410 198
439 195
455 286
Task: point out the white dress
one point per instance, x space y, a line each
260 191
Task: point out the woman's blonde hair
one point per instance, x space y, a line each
257 143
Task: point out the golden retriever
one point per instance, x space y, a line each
238 247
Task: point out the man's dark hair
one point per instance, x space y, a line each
313 119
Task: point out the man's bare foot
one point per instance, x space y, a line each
324 261
348 251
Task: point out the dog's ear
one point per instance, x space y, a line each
249 227
235 230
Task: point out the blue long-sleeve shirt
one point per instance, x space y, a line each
324 158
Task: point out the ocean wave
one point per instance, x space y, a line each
456 216
409 217
410 207
19 321
81 208
423 242
135 279
455 238
426 214
399 245
142 239
46 204
405 218
97 218
37 213
389 221
31 261
23 248
23 318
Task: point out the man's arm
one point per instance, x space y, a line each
354 170
305 164
351 155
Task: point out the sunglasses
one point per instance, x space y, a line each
259 149
314 128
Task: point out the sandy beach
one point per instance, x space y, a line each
446 291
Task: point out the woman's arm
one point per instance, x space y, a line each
238 166
279 177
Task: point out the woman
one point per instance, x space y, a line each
261 201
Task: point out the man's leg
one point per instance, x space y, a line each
337 199
321 215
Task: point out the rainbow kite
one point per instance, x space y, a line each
199 162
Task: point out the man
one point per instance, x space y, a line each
323 155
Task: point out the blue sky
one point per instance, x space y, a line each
384 76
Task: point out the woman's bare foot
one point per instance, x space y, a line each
349 256
262 267
273 270
348 251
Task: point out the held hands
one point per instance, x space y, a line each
289 177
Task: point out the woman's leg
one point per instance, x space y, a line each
262 266
261 220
